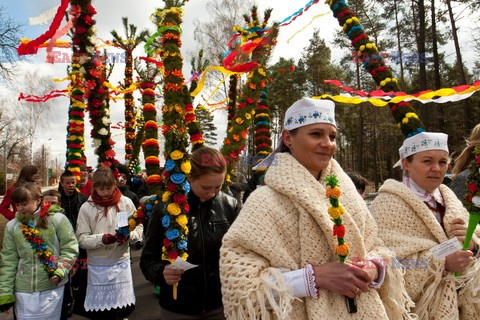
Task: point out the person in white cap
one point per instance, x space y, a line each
420 213
278 259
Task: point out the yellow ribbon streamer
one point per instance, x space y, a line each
308 24
443 95
201 83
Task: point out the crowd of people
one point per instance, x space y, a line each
288 246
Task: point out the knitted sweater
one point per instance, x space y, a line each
282 226
410 229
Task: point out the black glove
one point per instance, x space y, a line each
108 238
6 307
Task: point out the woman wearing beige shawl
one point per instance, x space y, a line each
278 259
418 214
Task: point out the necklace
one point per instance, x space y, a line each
38 245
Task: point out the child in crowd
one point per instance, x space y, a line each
38 249
53 197
110 292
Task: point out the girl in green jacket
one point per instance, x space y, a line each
39 247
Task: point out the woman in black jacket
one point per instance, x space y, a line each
211 214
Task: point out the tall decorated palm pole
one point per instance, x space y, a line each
177 166
261 121
95 92
234 142
128 44
76 111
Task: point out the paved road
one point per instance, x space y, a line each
146 307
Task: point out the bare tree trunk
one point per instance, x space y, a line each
425 111
375 151
360 130
399 46
467 115
438 112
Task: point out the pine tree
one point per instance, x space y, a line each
205 119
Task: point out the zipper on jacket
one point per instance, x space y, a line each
34 271
203 257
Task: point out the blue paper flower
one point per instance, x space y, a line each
153 198
182 244
149 206
169 165
186 187
177 178
166 221
172 234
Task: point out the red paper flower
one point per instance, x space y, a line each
250 100
179 198
186 208
478 159
339 231
171 187
88 20
91 10
472 187
80 30
166 243
173 254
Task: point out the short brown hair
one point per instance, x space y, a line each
207 160
52 193
103 178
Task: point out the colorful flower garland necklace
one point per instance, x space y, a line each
39 246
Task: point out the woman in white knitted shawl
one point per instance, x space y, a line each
418 214
278 258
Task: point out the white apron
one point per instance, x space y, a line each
109 286
43 305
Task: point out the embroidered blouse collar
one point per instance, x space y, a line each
431 198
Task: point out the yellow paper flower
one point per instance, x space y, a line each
182 220
227 178
239 120
173 209
248 116
335 212
165 196
184 256
186 167
177 154
132 224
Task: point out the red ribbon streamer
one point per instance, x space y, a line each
32 46
48 96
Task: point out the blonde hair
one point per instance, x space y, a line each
464 159
207 161
27 192
103 178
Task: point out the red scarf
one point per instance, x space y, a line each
109 202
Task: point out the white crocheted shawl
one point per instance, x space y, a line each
284 225
410 229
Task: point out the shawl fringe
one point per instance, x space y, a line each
273 294
393 293
468 283
430 298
